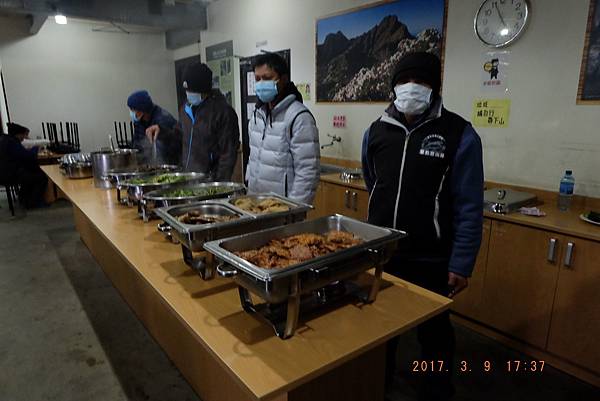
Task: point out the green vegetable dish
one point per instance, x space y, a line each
158 179
191 192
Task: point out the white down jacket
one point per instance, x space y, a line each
284 151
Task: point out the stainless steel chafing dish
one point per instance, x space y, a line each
118 176
160 198
76 165
193 237
135 192
285 290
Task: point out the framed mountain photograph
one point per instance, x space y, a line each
358 49
589 76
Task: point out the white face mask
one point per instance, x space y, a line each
412 99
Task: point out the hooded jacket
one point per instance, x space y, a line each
284 150
167 146
427 179
210 137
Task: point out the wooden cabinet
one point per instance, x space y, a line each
575 327
520 281
470 301
344 200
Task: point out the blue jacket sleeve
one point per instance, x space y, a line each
467 191
367 167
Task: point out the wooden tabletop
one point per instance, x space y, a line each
265 364
567 223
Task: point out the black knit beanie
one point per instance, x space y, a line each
16 129
422 66
197 78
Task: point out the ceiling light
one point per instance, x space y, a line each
504 32
60 19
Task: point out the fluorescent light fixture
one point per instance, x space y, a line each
503 32
60 19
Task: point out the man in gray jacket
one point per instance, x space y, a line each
208 127
284 139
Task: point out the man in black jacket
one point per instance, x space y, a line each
208 127
424 171
20 166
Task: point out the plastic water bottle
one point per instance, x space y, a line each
565 193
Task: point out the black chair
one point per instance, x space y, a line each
12 191
62 146
124 139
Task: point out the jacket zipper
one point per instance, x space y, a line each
402 167
436 211
372 191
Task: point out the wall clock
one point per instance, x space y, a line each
499 23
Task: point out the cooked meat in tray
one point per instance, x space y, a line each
299 248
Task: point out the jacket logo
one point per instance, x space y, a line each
433 146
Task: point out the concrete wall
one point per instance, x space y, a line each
70 73
548 132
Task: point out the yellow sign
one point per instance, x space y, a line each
491 113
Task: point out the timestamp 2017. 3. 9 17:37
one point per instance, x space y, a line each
485 366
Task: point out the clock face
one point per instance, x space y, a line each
500 22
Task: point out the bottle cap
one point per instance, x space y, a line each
569 172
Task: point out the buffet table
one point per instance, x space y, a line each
225 353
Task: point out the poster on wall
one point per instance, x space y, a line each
589 76
304 89
219 59
357 50
491 113
494 71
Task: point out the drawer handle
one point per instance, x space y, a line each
354 201
347 199
552 250
569 254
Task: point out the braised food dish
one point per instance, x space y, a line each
267 205
197 217
279 253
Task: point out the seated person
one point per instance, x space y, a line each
144 113
19 166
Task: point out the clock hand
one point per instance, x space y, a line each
500 15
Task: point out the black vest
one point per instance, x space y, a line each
419 202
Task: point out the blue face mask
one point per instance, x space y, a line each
194 98
266 91
133 116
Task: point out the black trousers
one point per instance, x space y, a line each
436 336
33 183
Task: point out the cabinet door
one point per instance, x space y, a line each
575 328
520 282
470 301
333 199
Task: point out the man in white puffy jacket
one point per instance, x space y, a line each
284 139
